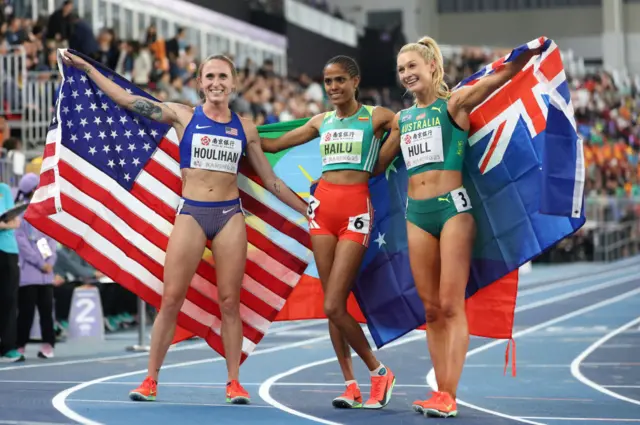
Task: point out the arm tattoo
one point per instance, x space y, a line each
276 186
147 108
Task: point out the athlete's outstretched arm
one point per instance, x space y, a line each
383 118
464 100
261 165
390 148
168 113
299 136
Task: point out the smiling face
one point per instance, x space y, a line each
340 86
217 80
414 72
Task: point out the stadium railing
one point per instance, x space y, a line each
613 226
12 168
210 32
13 72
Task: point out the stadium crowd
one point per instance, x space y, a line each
606 113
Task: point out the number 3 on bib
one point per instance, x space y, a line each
461 199
359 223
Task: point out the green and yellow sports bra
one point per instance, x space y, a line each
349 143
430 139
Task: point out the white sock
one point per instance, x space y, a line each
379 371
347 383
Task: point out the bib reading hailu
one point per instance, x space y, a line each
349 143
210 145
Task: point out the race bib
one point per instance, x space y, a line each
215 153
341 146
461 199
180 205
44 248
311 208
422 146
359 223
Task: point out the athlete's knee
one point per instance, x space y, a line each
451 307
334 309
433 312
172 302
229 305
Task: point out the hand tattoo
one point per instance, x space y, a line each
147 108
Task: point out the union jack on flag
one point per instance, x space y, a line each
109 187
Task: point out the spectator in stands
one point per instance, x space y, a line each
59 24
81 37
177 44
107 53
15 35
9 280
142 65
37 257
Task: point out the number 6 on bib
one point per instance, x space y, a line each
359 223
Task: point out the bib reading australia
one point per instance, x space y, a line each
338 146
215 153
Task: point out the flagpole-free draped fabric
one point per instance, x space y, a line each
109 188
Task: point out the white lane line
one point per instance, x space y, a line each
603 270
431 376
265 388
620 386
59 401
572 294
172 349
101 359
209 384
550 418
575 365
3 422
161 403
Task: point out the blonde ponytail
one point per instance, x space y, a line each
430 51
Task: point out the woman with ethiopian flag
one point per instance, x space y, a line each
341 216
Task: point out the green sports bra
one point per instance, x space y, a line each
430 139
349 143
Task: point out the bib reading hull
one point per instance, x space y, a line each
430 139
213 146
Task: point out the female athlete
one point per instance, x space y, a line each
209 209
432 136
341 216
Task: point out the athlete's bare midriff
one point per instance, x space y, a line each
209 186
205 185
346 176
434 183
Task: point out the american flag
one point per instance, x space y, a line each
109 189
